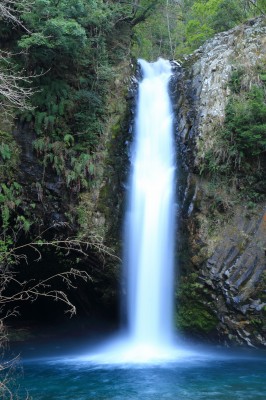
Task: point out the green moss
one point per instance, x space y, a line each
195 318
116 129
194 314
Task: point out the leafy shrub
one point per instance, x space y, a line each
239 146
236 80
245 124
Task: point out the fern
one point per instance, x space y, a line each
49 121
5 151
5 214
69 140
41 145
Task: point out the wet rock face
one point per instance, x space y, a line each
227 239
43 187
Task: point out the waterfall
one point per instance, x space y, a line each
150 220
149 230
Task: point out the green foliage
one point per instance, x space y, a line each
235 81
9 200
160 34
239 146
6 244
228 14
260 6
70 48
193 312
176 28
77 169
23 223
9 156
207 17
5 151
52 103
245 124
197 33
69 140
10 191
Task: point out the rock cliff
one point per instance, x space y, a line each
226 231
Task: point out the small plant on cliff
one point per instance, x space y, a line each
9 201
77 168
235 82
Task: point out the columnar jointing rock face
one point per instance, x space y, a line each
230 259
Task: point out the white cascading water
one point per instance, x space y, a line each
151 216
149 231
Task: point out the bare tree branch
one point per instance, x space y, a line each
14 87
10 10
31 290
76 244
13 92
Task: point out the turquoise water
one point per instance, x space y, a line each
224 379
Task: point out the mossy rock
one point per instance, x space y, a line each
195 318
194 315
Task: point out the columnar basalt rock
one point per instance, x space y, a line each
227 239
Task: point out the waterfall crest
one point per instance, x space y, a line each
151 216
